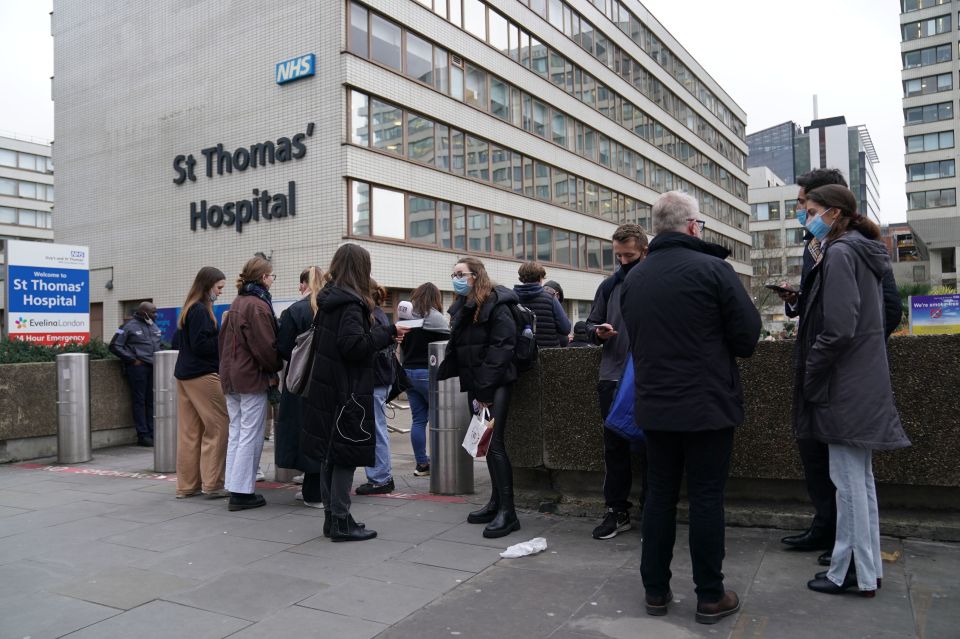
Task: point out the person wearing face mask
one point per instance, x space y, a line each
249 362
201 408
135 343
483 335
605 327
813 454
843 396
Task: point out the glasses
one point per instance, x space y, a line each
460 276
700 223
273 276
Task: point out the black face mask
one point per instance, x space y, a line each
626 267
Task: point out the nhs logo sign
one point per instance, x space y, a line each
296 68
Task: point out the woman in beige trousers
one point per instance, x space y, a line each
201 408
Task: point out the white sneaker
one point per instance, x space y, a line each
299 495
260 475
313 504
298 480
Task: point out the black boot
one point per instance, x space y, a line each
505 521
346 529
244 501
486 514
328 518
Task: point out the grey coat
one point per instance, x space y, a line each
843 393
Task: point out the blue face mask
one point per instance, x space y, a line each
802 217
461 287
818 228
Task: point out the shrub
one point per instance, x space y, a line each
16 352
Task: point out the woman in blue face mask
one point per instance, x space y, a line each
843 396
480 352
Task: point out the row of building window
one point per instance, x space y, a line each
927 56
926 28
906 6
929 142
25 189
772 239
932 199
26 161
931 170
928 84
377 38
26 217
381 125
389 214
774 266
928 113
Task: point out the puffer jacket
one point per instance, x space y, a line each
481 352
338 423
553 326
842 393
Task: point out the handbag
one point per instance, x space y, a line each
620 418
477 440
300 366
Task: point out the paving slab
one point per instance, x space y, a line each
395 571
211 556
371 600
247 594
124 587
163 620
448 554
39 543
28 615
180 531
324 569
931 573
298 621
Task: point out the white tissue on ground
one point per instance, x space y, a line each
524 548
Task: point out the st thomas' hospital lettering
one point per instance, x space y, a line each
263 204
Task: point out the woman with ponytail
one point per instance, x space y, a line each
843 396
483 335
249 362
296 319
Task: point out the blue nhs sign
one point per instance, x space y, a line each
296 68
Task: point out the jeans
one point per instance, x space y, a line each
381 473
618 475
141 391
420 411
335 484
858 519
816 470
705 455
248 414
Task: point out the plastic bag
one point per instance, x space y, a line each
620 418
477 440
524 548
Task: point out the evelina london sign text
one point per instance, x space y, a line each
262 204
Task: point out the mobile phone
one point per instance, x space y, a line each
780 289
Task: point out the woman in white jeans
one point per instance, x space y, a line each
843 395
249 362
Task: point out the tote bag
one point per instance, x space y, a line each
620 418
300 367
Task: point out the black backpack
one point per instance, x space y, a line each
525 353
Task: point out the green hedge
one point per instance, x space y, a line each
16 352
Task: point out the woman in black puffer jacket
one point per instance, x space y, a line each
480 351
339 432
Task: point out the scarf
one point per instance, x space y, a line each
255 289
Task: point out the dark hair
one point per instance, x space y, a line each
553 284
838 197
350 269
206 279
254 270
425 297
531 272
820 177
482 286
312 276
627 232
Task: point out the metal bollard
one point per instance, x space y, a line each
451 467
164 412
74 443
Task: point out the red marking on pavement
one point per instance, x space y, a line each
122 474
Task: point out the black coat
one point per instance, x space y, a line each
286 429
339 421
481 352
689 317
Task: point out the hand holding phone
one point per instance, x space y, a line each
605 331
786 292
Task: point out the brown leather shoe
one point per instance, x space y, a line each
714 612
657 606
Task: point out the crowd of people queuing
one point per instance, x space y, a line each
674 309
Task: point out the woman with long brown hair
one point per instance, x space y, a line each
480 351
294 320
843 396
339 431
249 362
201 408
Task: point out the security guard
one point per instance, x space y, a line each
135 343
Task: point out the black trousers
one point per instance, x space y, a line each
498 464
815 457
141 393
618 478
705 456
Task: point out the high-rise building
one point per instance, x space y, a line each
928 44
421 130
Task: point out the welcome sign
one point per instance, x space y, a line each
48 293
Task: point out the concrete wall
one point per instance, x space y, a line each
28 408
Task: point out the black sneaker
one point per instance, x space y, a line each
145 441
422 470
615 521
371 488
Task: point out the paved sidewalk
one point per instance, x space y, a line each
100 556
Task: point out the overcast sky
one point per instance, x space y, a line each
771 56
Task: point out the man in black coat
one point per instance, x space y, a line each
135 343
689 317
814 454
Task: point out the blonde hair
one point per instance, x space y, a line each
312 276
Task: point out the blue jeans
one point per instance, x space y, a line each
420 411
858 519
382 472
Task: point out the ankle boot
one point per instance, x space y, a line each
486 514
328 518
346 529
502 525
